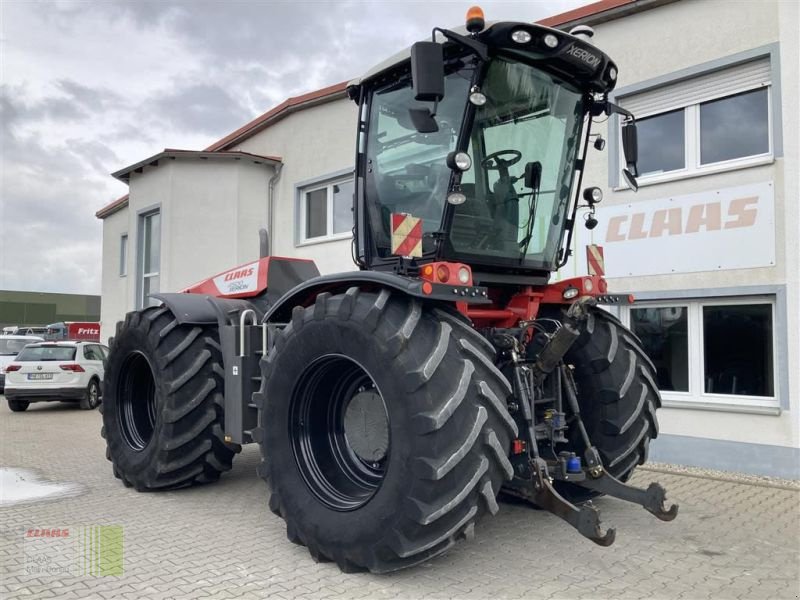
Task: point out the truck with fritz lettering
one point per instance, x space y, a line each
74 330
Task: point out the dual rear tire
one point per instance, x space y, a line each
163 404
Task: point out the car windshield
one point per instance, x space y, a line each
530 123
34 353
12 347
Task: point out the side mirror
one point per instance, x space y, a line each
427 71
630 148
423 120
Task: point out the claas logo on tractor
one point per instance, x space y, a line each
449 366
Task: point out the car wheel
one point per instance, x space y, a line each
18 405
91 399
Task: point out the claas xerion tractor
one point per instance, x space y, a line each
394 403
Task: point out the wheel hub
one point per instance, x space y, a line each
136 397
366 428
339 430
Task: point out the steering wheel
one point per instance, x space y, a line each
493 162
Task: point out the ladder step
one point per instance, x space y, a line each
251 405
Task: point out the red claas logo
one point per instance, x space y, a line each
241 273
87 331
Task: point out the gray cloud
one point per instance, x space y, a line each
201 107
89 88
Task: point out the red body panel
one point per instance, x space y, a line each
244 281
524 305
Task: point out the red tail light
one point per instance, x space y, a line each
72 367
11 368
443 273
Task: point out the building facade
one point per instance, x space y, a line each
42 308
708 245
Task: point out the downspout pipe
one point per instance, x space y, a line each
271 205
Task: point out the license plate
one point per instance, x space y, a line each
35 376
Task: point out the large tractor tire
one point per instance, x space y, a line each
384 429
618 397
163 403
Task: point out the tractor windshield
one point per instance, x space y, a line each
407 172
530 124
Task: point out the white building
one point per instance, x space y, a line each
709 245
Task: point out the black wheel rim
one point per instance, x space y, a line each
339 429
136 398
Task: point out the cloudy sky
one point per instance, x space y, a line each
90 87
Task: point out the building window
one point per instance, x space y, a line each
326 211
149 257
711 351
734 127
123 255
717 121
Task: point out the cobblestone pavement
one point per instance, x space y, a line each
730 540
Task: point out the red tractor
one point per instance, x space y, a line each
393 404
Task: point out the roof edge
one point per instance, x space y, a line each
123 175
600 12
288 106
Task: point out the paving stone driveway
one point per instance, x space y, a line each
730 540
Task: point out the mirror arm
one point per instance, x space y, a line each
465 42
610 109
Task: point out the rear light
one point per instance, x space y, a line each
443 273
72 367
11 368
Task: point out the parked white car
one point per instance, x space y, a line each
56 371
10 346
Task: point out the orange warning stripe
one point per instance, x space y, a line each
595 260
406 235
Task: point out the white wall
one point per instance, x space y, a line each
683 35
313 143
114 289
211 211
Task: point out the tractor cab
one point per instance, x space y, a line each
475 144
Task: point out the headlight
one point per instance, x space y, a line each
459 160
550 40
521 36
456 198
477 98
463 275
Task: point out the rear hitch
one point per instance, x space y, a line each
653 499
586 518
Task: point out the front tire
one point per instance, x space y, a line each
163 403
398 483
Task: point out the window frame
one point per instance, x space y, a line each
696 397
770 52
123 255
691 152
140 256
302 191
